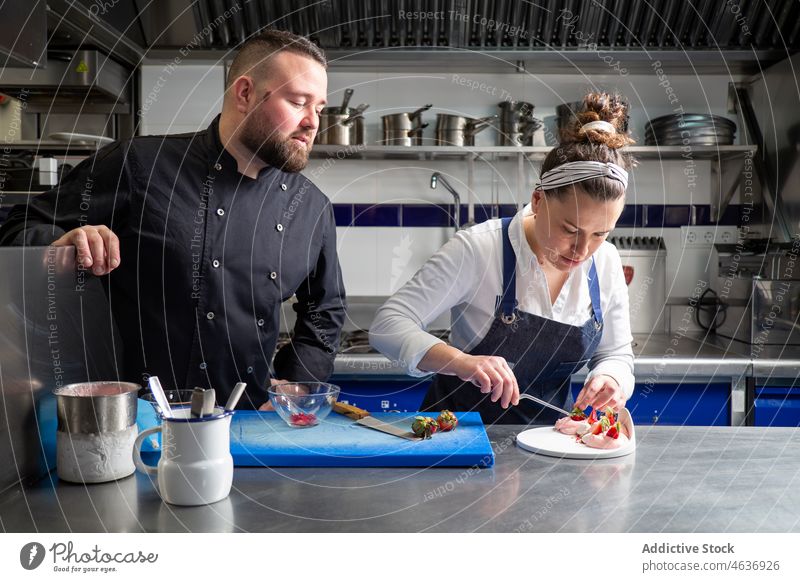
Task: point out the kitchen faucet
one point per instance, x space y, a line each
436 177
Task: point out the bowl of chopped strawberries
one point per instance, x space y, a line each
303 404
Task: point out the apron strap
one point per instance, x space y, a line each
507 302
594 293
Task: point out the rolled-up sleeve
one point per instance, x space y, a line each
398 331
614 355
320 309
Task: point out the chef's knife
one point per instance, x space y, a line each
394 430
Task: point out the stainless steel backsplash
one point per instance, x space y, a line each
55 329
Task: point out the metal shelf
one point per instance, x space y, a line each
536 153
52 146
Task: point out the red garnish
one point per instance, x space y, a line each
597 428
303 419
593 417
577 414
613 432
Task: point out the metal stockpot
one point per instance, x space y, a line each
96 431
340 128
517 123
342 125
404 129
515 112
457 130
522 134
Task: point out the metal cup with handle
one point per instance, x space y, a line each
196 466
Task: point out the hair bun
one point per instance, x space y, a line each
603 107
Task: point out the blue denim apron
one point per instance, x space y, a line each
543 353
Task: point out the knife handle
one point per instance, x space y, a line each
349 410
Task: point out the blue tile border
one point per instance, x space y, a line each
427 215
343 214
441 216
376 215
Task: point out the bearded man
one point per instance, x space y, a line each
203 236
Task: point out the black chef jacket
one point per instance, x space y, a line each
208 256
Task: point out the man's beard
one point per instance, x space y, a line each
267 145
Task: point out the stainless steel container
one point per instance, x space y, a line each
457 130
340 129
96 431
342 125
528 133
404 129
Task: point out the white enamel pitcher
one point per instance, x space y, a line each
196 466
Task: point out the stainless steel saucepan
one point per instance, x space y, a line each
457 130
404 129
342 125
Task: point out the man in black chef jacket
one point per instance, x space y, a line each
206 234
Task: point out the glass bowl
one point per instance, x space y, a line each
303 404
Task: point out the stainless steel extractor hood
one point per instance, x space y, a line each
77 77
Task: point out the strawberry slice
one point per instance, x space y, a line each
597 428
577 414
613 432
592 417
610 415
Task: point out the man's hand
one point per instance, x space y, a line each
97 248
268 405
601 391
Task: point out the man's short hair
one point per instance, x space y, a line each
257 51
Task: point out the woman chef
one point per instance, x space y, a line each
532 298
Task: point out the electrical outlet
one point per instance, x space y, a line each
699 237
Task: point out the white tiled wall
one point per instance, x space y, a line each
180 99
376 261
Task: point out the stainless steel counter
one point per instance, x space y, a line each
689 479
673 356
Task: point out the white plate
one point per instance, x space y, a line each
546 440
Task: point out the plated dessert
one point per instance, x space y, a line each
606 430
600 435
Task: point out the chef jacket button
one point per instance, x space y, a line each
273 275
279 227
203 365
217 166
260 323
220 212
210 315
215 262
283 187
249 369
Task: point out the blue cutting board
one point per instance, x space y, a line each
262 439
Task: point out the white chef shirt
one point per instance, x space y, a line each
465 276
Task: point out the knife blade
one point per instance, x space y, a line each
539 400
394 430
544 403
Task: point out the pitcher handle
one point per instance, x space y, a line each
137 451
